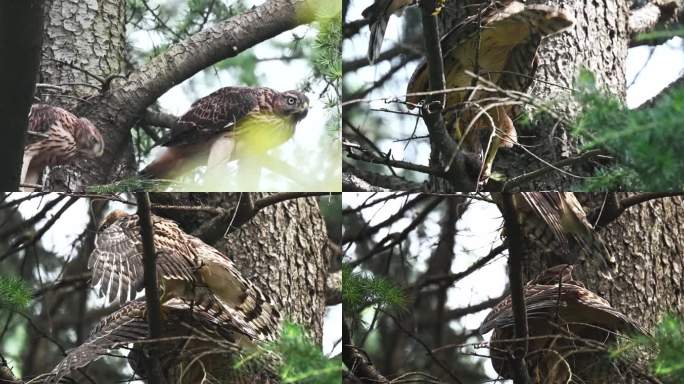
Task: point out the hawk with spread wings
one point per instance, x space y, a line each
555 302
191 275
203 328
64 138
502 51
229 121
557 220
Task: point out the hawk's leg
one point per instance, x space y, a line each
503 136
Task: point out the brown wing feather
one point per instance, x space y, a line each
117 260
129 325
212 114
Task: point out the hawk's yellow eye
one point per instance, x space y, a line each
291 100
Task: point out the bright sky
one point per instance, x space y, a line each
312 145
59 239
478 233
665 66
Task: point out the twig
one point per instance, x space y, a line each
151 289
357 361
516 181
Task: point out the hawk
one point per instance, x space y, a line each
554 299
68 137
502 51
378 15
228 121
556 220
186 267
202 327
200 289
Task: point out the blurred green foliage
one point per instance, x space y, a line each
646 141
360 291
15 294
303 361
668 343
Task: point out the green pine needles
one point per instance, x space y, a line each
15 294
360 291
645 141
668 342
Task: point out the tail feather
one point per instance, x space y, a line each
377 34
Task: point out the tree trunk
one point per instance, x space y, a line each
84 45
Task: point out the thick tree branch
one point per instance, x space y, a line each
610 212
443 146
354 179
515 260
21 36
151 288
647 17
159 119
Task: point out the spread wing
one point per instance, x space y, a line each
575 304
128 325
548 207
185 264
117 261
212 114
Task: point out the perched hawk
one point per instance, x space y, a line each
503 51
555 299
201 327
378 15
556 220
230 120
68 137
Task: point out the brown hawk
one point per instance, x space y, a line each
186 267
200 288
202 330
502 51
68 137
229 121
378 15
555 301
556 220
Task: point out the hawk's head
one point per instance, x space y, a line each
88 139
293 103
112 217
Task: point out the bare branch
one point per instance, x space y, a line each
151 288
515 259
